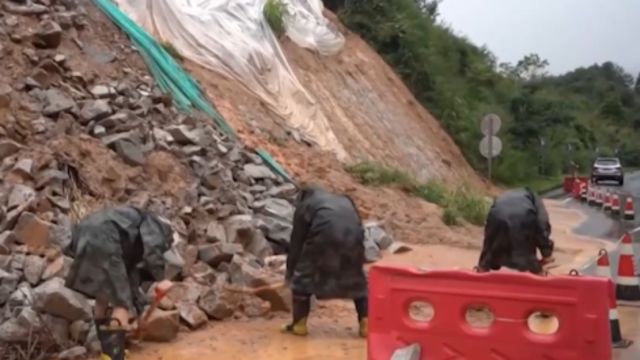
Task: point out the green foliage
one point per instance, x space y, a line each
596 107
274 11
369 173
450 217
460 202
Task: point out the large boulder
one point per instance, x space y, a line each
54 298
163 326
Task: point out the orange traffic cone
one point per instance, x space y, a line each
591 199
583 191
628 285
615 204
599 197
629 210
603 268
606 206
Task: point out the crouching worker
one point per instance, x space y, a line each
326 256
517 226
115 250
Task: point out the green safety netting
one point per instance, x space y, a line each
172 78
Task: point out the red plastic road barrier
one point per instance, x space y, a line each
581 305
569 180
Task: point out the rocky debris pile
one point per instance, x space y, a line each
230 211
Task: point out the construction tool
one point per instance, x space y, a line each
256 290
142 323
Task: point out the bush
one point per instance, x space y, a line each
462 202
274 11
450 216
433 192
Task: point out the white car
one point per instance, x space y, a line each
608 169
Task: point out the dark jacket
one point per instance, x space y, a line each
114 251
517 225
326 253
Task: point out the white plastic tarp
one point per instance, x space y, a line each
233 38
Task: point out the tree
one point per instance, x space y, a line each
429 7
531 67
637 87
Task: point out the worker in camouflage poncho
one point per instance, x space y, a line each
326 255
517 226
115 250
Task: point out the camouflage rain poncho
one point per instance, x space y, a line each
326 253
116 249
517 225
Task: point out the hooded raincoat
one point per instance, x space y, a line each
114 251
326 253
517 226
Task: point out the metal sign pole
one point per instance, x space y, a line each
490 157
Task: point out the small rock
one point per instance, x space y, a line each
50 176
130 152
59 328
23 296
399 247
103 91
48 35
259 172
5 262
192 315
59 202
26 9
61 233
203 274
20 194
163 326
215 254
217 303
255 307
19 328
5 95
377 233
276 262
79 330
60 59
32 231
99 131
23 168
216 232
75 353
411 352
190 257
55 102
7 240
94 110
182 135
53 298
8 283
371 250
8 147
33 268
186 292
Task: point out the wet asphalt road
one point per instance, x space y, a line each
603 225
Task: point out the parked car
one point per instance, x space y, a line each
608 169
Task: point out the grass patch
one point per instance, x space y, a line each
457 203
450 217
168 47
274 11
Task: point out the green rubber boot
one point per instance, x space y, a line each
299 328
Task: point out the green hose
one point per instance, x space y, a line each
172 78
